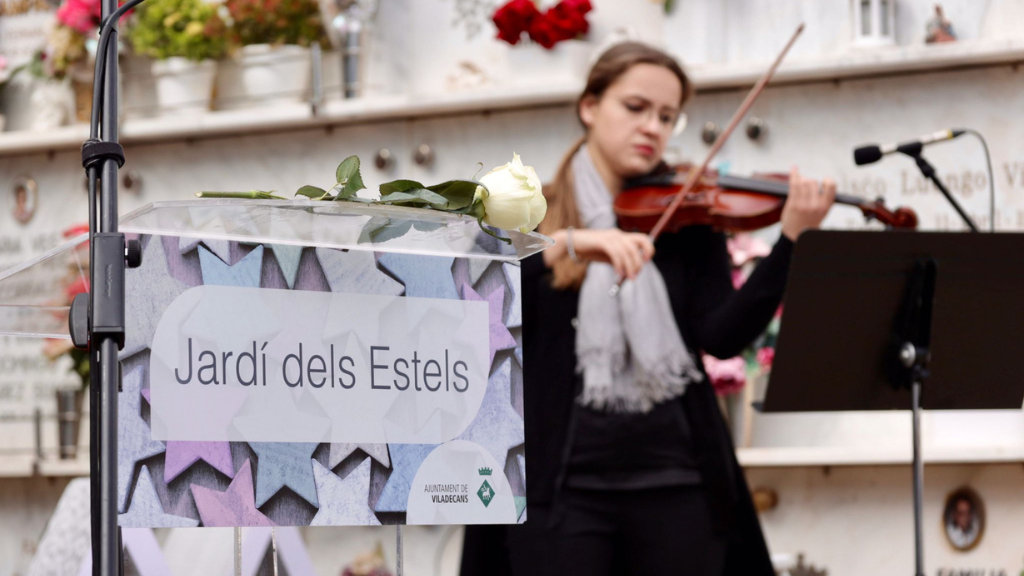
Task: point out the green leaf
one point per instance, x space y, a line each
311 192
426 226
399 186
386 232
480 223
419 196
459 193
350 180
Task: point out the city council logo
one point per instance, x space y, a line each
486 493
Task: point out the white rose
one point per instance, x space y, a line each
513 199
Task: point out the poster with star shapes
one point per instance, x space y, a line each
271 385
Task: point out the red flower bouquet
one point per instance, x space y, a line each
563 21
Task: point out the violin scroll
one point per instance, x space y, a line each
902 217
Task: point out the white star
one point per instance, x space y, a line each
146 510
343 502
355 271
149 290
341 450
497 426
134 438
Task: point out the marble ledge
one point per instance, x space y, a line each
824 456
854 63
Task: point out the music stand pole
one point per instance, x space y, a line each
915 355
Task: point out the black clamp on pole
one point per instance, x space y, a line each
94 152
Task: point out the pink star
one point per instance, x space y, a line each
181 455
233 507
501 338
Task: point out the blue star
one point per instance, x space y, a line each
405 460
283 464
423 276
222 248
245 273
288 258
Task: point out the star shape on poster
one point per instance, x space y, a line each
406 460
234 506
146 510
500 337
182 455
245 273
341 450
149 290
282 464
513 280
134 438
288 258
222 248
497 426
356 271
477 267
423 276
343 502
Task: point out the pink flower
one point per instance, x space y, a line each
743 248
765 356
727 376
738 278
79 15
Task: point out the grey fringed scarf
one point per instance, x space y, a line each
628 347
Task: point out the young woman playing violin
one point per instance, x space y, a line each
631 467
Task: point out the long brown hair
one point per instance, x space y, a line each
560 193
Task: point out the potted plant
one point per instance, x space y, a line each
271 40
69 400
185 38
521 21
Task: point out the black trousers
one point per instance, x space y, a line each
616 533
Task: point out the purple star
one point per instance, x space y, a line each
181 455
233 507
501 338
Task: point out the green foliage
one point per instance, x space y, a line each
179 28
275 22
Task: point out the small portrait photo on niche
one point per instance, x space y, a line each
963 518
24 199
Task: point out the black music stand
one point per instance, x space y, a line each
871 317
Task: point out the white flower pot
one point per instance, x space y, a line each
264 75
50 104
531 64
183 87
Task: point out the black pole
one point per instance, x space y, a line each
107 317
914 151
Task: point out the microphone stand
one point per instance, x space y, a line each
914 151
97 319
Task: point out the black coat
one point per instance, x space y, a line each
713 317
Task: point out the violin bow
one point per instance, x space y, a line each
695 173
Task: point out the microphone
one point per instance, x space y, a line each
873 153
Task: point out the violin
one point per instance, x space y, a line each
730 203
